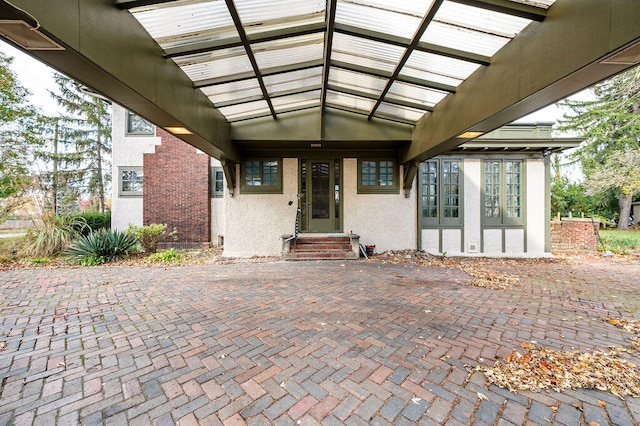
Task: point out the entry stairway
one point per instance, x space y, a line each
322 247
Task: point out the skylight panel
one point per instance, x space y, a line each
363 52
289 51
230 92
349 101
385 20
293 80
416 94
398 112
357 81
169 22
246 110
296 101
219 63
437 68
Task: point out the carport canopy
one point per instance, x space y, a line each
411 78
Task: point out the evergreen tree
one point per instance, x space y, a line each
611 124
17 122
83 143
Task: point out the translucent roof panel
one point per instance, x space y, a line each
296 101
363 52
229 92
289 51
383 17
342 100
472 29
293 80
399 112
437 68
214 64
416 94
247 110
258 15
357 81
177 23
481 19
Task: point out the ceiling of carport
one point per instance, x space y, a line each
391 60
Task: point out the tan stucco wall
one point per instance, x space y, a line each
386 220
254 223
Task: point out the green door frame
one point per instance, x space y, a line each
328 217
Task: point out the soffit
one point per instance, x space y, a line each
388 60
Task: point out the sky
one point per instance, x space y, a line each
38 78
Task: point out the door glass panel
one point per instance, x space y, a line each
336 180
320 190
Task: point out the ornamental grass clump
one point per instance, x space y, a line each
103 245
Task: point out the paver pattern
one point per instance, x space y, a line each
308 343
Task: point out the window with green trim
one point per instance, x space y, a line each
137 125
441 192
217 182
377 176
262 176
131 181
503 189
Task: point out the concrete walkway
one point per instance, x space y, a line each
299 343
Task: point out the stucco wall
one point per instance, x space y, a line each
128 151
535 200
387 220
217 211
254 223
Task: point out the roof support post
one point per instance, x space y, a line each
229 170
410 172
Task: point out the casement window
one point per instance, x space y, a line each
131 181
137 125
377 176
441 192
502 195
262 176
217 182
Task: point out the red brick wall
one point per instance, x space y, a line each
574 234
176 190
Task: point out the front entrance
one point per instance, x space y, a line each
320 195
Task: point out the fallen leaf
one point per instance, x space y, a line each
482 397
416 400
601 402
526 345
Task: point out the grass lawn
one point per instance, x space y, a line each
621 241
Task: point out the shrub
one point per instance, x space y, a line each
166 256
101 246
149 236
56 233
94 222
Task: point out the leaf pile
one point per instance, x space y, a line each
480 269
489 279
542 368
629 325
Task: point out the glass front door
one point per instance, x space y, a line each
320 195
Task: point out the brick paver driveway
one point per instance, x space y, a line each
299 343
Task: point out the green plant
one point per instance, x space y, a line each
94 221
149 236
166 256
101 246
56 233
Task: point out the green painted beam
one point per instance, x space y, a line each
546 62
106 49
